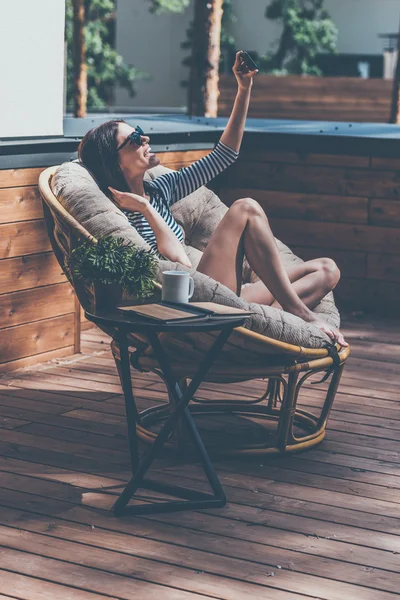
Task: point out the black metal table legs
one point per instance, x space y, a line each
189 499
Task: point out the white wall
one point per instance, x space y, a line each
31 67
359 23
153 43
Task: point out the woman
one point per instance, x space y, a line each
118 157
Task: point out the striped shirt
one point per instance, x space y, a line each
171 187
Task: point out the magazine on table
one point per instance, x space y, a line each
170 312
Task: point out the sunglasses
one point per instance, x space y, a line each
135 137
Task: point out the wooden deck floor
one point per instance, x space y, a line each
324 524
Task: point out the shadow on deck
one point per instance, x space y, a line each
323 524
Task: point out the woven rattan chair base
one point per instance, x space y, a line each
295 429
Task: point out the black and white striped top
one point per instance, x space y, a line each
171 187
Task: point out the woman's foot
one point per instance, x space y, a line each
330 331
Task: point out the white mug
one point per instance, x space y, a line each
177 286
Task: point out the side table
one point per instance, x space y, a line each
123 325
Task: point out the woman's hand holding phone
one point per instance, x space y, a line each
244 69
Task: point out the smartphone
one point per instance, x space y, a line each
249 61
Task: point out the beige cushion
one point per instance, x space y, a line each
198 214
80 195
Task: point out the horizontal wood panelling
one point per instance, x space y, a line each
33 290
319 103
35 338
385 212
21 239
29 361
179 160
20 204
334 160
19 177
351 264
317 112
322 115
176 166
320 85
186 156
371 296
385 163
384 267
313 179
343 207
36 304
30 271
314 207
316 98
342 236
316 105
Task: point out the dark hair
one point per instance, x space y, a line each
98 153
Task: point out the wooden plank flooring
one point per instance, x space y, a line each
323 524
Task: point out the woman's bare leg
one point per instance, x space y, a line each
245 227
312 280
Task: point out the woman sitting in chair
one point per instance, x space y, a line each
118 157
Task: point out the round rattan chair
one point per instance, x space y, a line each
284 426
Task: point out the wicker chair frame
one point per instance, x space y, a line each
246 356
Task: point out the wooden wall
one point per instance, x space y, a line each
178 160
38 316
312 98
343 207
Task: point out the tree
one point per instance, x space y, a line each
203 89
227 41
395 108
307 31
79 59
91 54
206 51
228 46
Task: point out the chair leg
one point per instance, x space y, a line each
330 397
287 412
316 424
298 429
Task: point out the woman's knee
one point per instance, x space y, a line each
248 206
330 272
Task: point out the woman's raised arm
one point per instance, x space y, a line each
178 184
234 129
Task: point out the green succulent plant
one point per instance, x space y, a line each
114 261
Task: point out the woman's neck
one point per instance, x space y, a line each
134 181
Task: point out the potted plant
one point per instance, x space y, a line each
112 266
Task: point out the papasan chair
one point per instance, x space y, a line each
273 345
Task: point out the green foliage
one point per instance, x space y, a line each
113 261
161 6
106 67
307 30
227 41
